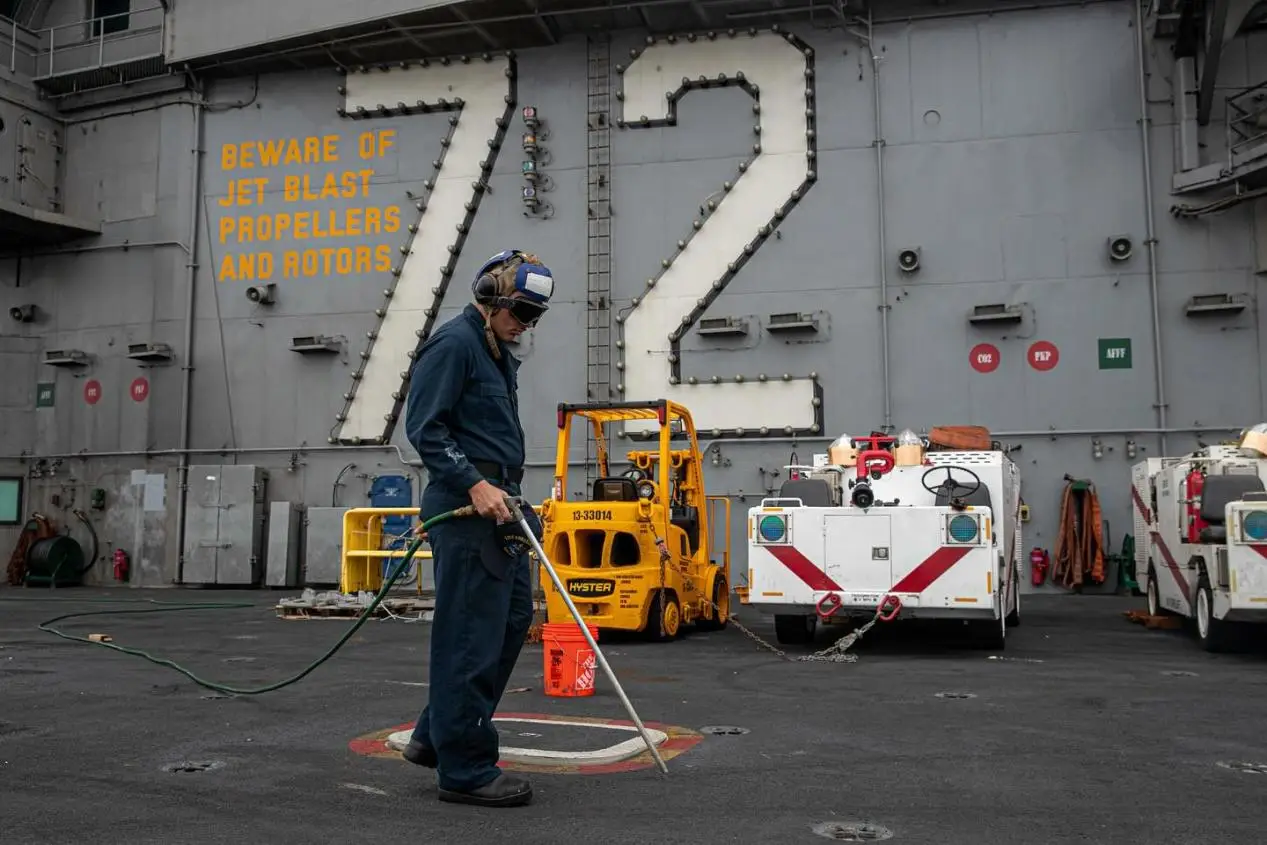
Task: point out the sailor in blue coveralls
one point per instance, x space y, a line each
462 416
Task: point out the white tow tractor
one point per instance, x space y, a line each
1204 517
903 532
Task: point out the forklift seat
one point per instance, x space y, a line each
617 489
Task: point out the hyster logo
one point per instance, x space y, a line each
591 587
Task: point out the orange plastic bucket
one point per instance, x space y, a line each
570 664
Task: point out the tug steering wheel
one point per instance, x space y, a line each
950 482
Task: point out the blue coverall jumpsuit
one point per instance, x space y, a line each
462 416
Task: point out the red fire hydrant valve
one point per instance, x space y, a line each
120 565
1038 564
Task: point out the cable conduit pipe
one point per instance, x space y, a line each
77 250
884 275
191 282
1150 229
705 445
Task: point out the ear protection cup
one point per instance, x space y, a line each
484 288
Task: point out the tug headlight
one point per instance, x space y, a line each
1254 526
962 528
646 489
772 529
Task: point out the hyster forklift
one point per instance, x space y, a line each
635 550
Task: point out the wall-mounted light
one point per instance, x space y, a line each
23 313
1097 449
262 294
1120 247
908 259
536 181
1130 449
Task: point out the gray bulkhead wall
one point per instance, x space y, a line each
1011 153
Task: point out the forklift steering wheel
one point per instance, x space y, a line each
954 485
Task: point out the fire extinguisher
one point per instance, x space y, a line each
1195 487
1038 564
120 565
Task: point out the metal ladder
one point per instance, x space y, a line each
598 386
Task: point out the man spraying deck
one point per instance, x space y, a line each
462 416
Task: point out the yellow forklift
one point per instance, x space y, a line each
636 550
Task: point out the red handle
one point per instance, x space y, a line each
897 607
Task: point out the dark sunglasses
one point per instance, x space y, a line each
522 310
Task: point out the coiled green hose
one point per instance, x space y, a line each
169 607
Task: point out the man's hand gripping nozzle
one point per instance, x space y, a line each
517 505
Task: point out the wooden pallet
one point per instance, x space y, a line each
1165 623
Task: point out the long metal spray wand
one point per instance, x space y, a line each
512 502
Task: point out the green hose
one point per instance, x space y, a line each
171 607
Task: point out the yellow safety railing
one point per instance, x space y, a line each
712 527
363 552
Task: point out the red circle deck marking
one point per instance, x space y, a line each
140 389
984 357
679 740
92 391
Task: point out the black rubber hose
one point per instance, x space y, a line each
96 542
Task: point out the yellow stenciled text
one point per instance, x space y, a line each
306 201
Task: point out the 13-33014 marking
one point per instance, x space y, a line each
593 515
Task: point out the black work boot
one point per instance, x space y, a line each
504 791
419 754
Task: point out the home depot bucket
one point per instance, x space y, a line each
570 663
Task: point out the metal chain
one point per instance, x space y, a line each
662 601
834 653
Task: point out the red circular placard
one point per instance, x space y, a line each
92 391
984 357
140 389
1043 355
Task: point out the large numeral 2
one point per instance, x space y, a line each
777 70
479 94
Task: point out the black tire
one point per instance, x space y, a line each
662 602
1154 594
989 633
795 629
721 598
1013 618
1215 635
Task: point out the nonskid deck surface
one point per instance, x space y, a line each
1084 730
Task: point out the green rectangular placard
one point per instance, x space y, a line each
44 394
1115 353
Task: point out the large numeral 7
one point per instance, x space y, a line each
479 94
778 71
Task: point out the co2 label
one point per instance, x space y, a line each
984 357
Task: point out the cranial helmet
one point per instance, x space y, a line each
511 271
501 277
